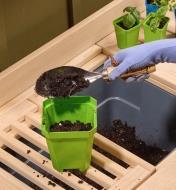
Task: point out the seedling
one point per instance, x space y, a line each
127 28
170 3
132 17
160 3
157 19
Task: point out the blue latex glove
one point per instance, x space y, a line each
141 56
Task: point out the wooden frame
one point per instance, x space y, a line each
86 45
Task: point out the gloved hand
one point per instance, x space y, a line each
141 56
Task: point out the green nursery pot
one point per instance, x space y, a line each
126 38
71 149
159 34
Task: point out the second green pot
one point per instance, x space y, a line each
159 34
126 38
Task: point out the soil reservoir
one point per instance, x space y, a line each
143 105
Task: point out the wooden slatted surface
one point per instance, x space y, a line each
29 158
23 151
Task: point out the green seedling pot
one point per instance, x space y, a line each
159 34
71 149
126 38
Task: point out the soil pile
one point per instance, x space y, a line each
125 136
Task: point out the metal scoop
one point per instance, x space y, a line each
88 76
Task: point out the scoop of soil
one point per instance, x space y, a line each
69 126
60 83
125 136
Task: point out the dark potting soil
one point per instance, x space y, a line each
163 22
69 126
122 26
60 83
125 136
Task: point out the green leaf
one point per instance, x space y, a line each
162 11
129 9
129 21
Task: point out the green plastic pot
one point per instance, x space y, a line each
126 38
71 149
159 34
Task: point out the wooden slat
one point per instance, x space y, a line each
121 153
108 164
132 179
95 63
164 178
17 100
37 100
5 185
26 171
10 179
41 143
62 49
30 135
165 78
37 158
85 56
109 44
162 86
169 158
99 177
16 112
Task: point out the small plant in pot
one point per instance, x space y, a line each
155 25
69 125
127 28
154 5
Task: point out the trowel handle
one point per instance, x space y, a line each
133 73
145 70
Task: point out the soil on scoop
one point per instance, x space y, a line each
125 136
60 83
69 126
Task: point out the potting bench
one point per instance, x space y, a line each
23 150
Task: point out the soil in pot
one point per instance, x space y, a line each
122 26
50 84
125 136
69 126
